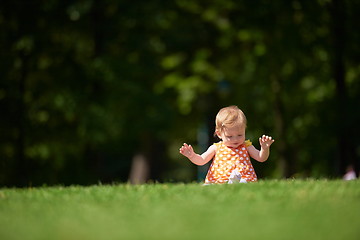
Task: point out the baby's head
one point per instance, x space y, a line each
229 117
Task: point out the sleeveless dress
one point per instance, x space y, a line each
228 161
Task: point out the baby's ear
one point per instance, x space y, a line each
217 134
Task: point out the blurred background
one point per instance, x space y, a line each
106 91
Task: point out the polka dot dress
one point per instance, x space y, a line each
229 159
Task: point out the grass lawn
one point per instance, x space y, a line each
312 209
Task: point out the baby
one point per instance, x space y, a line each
231 155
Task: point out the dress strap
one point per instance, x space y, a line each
248 143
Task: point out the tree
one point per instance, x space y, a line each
88 86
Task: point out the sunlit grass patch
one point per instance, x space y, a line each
265 210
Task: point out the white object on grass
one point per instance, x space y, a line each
235 177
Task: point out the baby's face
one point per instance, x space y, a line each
232 137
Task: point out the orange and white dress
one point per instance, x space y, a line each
229 160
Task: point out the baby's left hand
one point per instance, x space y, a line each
266 141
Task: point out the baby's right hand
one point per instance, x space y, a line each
186 150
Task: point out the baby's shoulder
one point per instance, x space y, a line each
216 146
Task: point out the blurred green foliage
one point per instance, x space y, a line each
87 84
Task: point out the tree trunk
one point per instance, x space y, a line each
140 171
347 156
21 174
280 128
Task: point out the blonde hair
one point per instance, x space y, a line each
229 117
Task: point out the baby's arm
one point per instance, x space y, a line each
263 154
197 159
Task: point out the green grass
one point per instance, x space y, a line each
264 210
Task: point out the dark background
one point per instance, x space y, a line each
107 91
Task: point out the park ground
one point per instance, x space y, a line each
268 209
